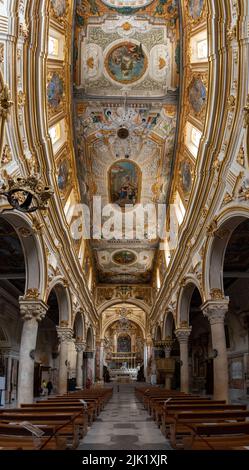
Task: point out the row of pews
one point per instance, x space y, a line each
57 423
193 422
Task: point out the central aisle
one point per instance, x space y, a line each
124 425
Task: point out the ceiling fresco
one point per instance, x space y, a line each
126 87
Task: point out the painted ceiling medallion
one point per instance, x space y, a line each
126 62
127 4
124 257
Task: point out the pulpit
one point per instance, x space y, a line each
167 367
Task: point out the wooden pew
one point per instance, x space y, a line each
179 422
221 436
14 436
67 424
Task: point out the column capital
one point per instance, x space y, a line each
64 333
80 346
183 334
32 308
215 310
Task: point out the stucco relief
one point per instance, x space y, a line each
92 61
160 63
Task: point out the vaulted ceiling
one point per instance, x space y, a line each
126 91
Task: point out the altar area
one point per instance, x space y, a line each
123 367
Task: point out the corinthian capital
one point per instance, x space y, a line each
65 334
182 334
30 309
80 346
215 310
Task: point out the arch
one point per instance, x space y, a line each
134 320
33 251
183 303
168 325
90 339
64 300
136 302
79 326
158 333
216 246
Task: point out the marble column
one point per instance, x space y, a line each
169 374
32 311
182 335
79 347
215 311
65 336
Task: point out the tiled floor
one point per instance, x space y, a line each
124 425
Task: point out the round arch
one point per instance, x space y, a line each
134 320
64 301
216 246
136 302
79 326
89 339
183 303
158 333
168 325
33 251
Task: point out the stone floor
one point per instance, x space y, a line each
124 425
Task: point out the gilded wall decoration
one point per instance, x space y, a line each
126 62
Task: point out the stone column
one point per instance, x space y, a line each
215 311
101 359
65 335
79 347
182 335
32 311
167 350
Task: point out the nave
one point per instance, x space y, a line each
124 425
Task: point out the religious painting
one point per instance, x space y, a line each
124 257
195 8
59 7
186 176
55 90
126 62
124 344
63 174
124 183
197 94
